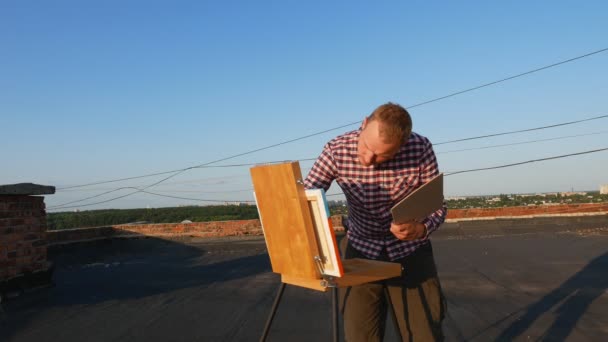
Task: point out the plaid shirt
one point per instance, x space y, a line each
371 191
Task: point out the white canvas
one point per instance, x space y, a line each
330 264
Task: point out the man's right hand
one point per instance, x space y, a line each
408 231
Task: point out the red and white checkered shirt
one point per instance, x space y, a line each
371 191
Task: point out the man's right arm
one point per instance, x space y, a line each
323 171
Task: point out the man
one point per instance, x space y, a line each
376 166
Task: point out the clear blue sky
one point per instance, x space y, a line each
97 90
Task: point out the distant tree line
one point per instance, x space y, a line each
96 218
503 200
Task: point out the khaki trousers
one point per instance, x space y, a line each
416 297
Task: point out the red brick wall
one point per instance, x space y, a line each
253 227
198 229
527 211
202 229
23 246
79 234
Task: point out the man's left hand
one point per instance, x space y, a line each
408 231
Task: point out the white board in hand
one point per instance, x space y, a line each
422 202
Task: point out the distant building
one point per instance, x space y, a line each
232 203
604 189
449 198
572 193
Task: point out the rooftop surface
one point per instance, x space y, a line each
520 286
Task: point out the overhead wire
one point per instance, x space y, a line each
196 199
168 190
349 124
59 206
180 171
203 192
510 77
521 142
308 159
441 143
525 162
447 174
64 205
515 164
522 130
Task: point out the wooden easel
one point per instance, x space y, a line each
293 246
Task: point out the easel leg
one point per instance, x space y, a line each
273 311
334 299
389 302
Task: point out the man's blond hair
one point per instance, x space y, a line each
395 122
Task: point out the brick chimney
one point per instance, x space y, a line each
23 245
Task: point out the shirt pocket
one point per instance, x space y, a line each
404 184
369 195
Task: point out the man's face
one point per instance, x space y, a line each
371 147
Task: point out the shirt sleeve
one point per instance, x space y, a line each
428 170
323 171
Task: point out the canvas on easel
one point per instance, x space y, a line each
329 255
300 240
298 233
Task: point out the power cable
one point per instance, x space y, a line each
169 190
203 192
194 199
510 77
64 205
514 164
525 162
521 142
205 165
446 175
155 194
60 206
117 180
171 176
523 130
350 124
312 159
